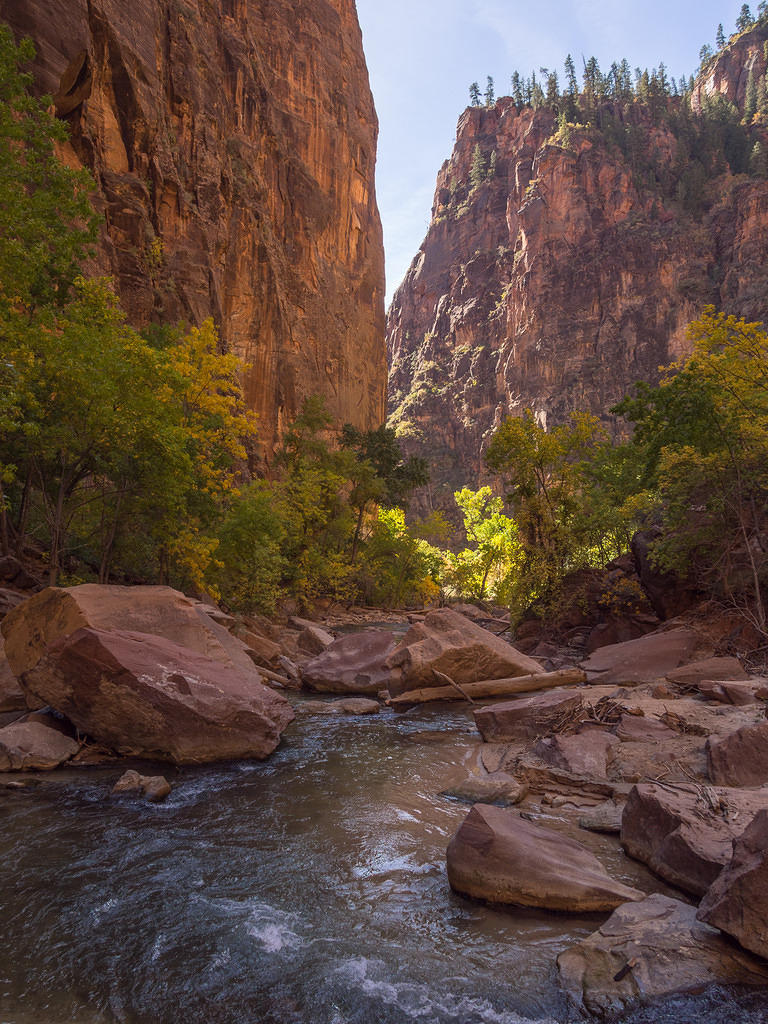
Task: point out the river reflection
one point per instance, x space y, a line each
308 889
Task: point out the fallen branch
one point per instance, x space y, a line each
492 687
441 676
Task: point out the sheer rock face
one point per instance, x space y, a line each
558 282
233 143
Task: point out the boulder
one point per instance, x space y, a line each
584 753
154 787
11 694
347 706
605 817
260 649
37 742
450 644
738 694
737 901
649 950
643 660
528 717
57 612
355 663
709 668
740 759
143 695
684 832
500 857
314 639
642 729
494 788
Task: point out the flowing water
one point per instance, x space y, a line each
309 889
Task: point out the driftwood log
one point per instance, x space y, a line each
491 687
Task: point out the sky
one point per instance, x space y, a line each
422 56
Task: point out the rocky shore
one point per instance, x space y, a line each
658 744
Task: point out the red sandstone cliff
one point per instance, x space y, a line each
565 277
233 143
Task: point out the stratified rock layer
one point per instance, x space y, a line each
233 143
563 278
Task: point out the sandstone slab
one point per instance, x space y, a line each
145 696
500 857
313 639
494 788
708 668
57 612
347 706
735 693
740 759
669 952
35 743
642 729
450 644
737 901
527 717
643 660
154 787
355 663
685 832
584 753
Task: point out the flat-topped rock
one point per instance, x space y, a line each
143 695
669 952
708 668
526 717
494 788
355 663
347 706
643 660
736 693
685 832
584 753
737 901
740 759
451 645
36 743
500 857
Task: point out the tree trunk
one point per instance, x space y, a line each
492 687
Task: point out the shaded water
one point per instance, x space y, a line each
308 889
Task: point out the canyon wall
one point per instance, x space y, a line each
565 272
233 143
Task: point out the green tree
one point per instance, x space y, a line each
750 97
474 94
477 172
490 95
720 38
494 551
744 20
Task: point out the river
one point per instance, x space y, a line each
308 889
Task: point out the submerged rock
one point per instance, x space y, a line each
649 950
154 787
494 788
500 857
348 706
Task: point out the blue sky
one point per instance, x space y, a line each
423 54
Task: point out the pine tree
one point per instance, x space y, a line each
762 97
490 95
720 38
477 171
474 94
758 161
570 77
517 89
744 20
750 97
553 90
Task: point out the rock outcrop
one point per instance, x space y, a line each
233 143
566 275
649 950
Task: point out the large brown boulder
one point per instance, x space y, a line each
737 901
527 717
145 696
449 643
355 663
685 832
740 759
57 612
38 742
640 661
11 694
666 951
500 857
